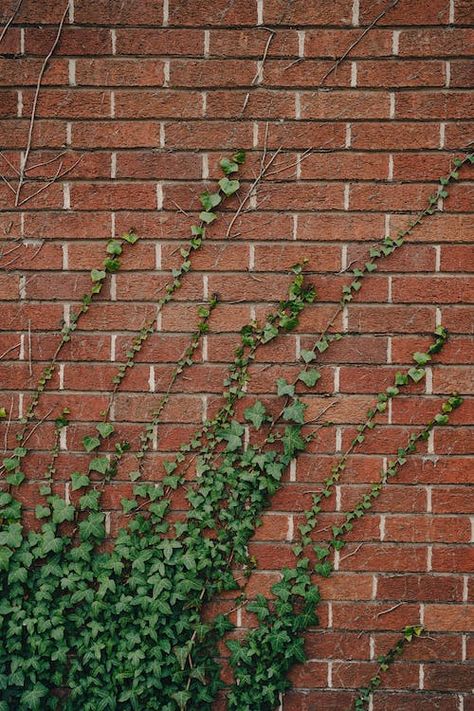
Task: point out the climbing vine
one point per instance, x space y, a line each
93 626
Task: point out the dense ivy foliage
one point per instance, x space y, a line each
95 627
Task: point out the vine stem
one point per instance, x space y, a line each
24 162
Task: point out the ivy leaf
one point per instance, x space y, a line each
90 443
31 699
130 237
15 478
100 464
97 275
62 511
284 388
269 332
229 187
421 358
79 480
181 698
292 441
128 505
309 377
207 217
324 569
210 200
105 429
239 156
307 355
42 511
11 536
10 464
295 412
114 247
93 526
5 555
228 166
416 374
256 414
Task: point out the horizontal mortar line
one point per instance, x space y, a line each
248 26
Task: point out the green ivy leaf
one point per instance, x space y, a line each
309 377
228 166
90 443
421 358
130 237
79 481
295 412
229 187
210 200
307 355
97 275
256 414
284 388
207 217
416 374
100 464
105 429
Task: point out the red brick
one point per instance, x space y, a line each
455 134
439 227
433 105
211 135
340 227
24 72
103 13
384 701
457 559
462 74
116 134
363 616
434 290
400 73
211 73
393 135
281 72
158 41
449 41
457 258
119 72
426 587
68 103
351 105
406 167
427 528
344 166
299 12
9 104
449 677
382 197
103 196
456 500
212 257
67 225
186 12
46 134
333 43
162 104
405 13
259 103
301 134
251 42
463 13
73 41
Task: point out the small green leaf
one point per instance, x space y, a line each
207 217
228 166
105 429
97 275
210 200
284 388
130 237
307 355
229 187
421 358
90 443
416 374
256 414
309 377
79 480
100 464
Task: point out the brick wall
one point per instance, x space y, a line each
137 105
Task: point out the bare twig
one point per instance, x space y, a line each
250 191
57 176
7 429
30 369
356 550
359 39
15 13
24 162
259 72
390 609
40 422
46 162
9 350
2 155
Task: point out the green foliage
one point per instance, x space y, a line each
87 626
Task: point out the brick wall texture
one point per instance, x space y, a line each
138 103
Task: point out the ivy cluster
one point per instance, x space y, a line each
95 626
